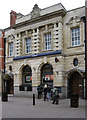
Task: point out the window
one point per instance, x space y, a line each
75 62
28 45
48 43
75 36
27 75
47 74
10 49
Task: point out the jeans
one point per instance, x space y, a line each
48 95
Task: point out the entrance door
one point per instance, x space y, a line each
47 74
10 86
75 84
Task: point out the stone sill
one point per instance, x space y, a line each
75 46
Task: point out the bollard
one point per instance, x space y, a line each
33 99
4 97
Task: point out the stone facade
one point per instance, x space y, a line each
57 21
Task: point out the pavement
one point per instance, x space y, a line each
22 107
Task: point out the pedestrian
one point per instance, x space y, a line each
45 92
51 94
55 95
39 91
48 92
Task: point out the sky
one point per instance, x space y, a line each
26 6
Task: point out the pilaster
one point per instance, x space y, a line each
58 36
36 41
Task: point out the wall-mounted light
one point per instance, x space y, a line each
56 59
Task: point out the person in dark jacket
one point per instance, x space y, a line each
48 92
55 95
39 90
45 92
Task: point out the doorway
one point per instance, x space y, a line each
47 74
9 83
75 84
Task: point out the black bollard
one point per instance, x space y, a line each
33 99
4 97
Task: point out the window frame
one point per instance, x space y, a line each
75 36
48 42
28 46
75 62
10 50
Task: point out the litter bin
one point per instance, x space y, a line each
4 97
74 100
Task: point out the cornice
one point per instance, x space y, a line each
40 18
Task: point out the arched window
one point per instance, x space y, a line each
27 75
47 74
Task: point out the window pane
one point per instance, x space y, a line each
10 49
75 36
48 41
28 45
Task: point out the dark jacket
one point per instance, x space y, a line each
45 90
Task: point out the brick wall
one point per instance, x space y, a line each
12 18
2 51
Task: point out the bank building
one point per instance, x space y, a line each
46 47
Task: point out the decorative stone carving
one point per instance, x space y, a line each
73 19
35 12
11 37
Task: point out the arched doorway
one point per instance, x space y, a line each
8 80
47 74
26 79
27 75
75 84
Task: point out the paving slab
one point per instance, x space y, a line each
22 107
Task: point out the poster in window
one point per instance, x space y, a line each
31 78
47 78
28 78
51 77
